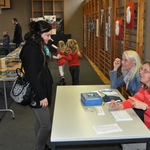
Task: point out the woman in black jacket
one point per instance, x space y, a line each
35 64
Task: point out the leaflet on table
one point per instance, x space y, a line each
109 128
106 92
99 110
121 115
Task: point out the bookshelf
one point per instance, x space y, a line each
41 8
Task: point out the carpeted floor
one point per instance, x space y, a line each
18 133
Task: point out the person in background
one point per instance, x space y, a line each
130 66
17 33
6 42
35 63
73 51
141 100
61 61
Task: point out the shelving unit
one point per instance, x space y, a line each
41 8
101 46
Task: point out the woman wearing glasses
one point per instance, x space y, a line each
141 100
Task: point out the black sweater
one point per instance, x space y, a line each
32 60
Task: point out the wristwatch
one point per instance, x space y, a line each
146 108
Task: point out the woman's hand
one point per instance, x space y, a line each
115 105
44 102
116 64
138 104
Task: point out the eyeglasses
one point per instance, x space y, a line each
144 70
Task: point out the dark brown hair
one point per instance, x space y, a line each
145 86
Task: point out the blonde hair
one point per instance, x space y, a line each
61 46
134 57
72 46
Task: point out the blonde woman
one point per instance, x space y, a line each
130 67
72 49
61 61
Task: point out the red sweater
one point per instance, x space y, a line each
73 59
60 61
144 96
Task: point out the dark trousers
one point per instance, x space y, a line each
74 70
6 51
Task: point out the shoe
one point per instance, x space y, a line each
62 81
47 147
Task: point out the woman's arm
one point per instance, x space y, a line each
114 81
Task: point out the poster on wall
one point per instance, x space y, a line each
97 27
102 24
106 36
109 21
52 20
118 28
59 25
130 15
91 26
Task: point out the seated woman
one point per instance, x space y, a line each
130 65
141 101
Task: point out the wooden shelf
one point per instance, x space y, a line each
40 8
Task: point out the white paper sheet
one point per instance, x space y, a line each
121 115
108 92
99 110
109 128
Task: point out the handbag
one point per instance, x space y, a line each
21 91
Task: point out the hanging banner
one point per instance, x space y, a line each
118 28
109 21
130 15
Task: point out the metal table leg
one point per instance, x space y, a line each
6 105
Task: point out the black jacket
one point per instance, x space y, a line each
6 41
17 34
36 73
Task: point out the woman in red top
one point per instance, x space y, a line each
141 100
73 57
61 61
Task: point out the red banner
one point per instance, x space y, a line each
130 15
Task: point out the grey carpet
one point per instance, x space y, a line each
18 134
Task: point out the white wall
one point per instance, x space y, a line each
74 20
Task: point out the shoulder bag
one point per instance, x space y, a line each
21 91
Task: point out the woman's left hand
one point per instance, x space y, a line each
44 102
138 104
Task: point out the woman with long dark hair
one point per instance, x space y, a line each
35 64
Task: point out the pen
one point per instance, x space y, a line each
89 109
115 101
105 90
110 102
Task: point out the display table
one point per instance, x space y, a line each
73 124
8 74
